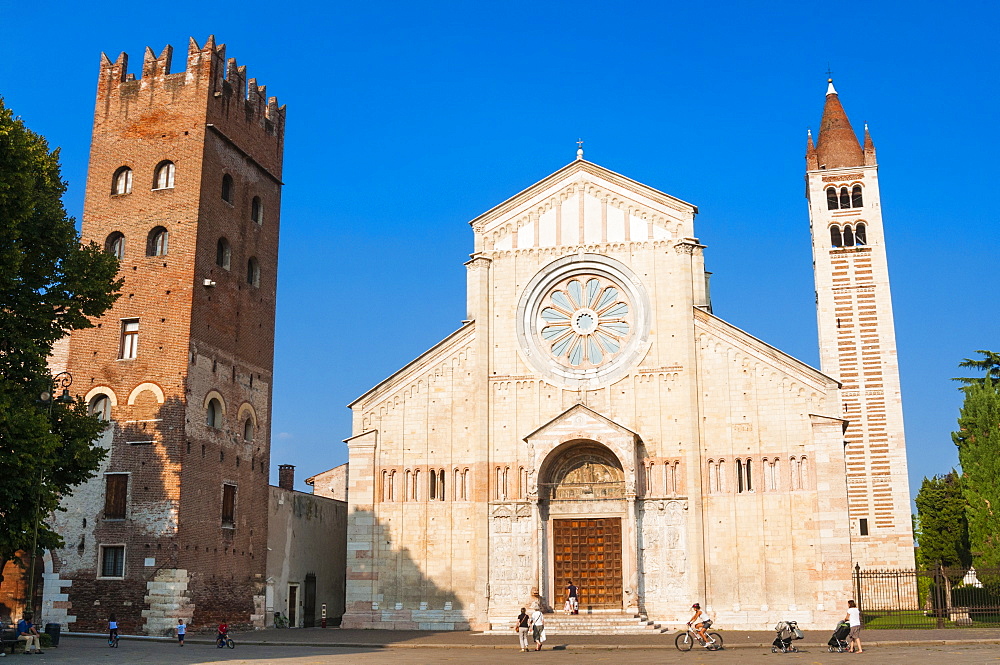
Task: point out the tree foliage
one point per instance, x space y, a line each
50 284
942 527
978 441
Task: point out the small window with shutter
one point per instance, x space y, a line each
228 506
115 496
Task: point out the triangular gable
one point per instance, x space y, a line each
580 417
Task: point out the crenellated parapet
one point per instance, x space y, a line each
212 86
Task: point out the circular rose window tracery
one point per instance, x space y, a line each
586 320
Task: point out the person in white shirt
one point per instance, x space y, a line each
854 619
701 622
538 629
181 628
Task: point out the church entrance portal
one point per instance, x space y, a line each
589 552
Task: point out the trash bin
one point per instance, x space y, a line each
53 630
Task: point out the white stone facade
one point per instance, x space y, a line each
619 401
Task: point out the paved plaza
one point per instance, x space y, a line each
79 650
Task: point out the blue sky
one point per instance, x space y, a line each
407 120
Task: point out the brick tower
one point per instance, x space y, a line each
856 334
184 185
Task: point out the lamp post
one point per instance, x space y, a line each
61 381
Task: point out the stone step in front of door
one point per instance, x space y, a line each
585 624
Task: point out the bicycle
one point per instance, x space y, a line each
113 640
225 641
685 641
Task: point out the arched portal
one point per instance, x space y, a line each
582 496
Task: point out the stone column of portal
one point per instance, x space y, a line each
630 544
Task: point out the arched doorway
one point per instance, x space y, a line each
583 498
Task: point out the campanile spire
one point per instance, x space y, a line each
837 145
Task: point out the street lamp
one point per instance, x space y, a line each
61 381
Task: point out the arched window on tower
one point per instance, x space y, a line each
845 198
848 236
835 238
115 245
248 430
227 188
163 176
433 489
121 183
257 211
253 272
856 199
213 414
100 406
156 242
222 253
861 234
831 198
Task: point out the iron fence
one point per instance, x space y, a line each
937 598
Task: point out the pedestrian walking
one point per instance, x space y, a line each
572 598
521 628
538 629
181 628
854 619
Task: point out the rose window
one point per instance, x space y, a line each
585 322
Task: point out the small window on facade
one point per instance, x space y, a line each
156 242
748 470
739 476
416 485
392 485
223 253
861 235
227 188
863 526
115 495
115 245
257 210
130 339
229 506
845 198
100 406
213 415
433 493
113 561
441 492
831 198
164 176
121 183
835 238
407 479
848 236
248 430
253 272
856 200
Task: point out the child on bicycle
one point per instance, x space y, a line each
223 634
112 627
701 622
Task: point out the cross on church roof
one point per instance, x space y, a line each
579 148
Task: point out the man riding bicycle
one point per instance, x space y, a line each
701 622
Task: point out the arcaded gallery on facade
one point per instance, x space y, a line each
593 419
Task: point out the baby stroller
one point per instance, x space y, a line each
786 632
838 641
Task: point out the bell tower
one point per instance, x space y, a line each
857 337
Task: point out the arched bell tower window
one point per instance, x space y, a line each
861 234
856 199
115 245
121 183
163 177
253 271
835 238
156 242
227 188
845 198
223 253
848 236
831 198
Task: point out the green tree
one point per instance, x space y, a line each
978 441
989 363
942 527
50 284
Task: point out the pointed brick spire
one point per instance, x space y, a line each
812 160
869 148
837 144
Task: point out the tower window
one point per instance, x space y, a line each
848 236
257 210
861 235
115 245
835 238
100 406
856 199
227 188
248 430
130 339
228 506
156 242
863 526
115 495
113 561
222 253
121 183
253 272
164 176
213 414
831 198
845 198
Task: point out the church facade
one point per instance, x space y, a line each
593 420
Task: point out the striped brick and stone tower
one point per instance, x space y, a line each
184 186
856 334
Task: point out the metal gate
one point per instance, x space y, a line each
589 552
